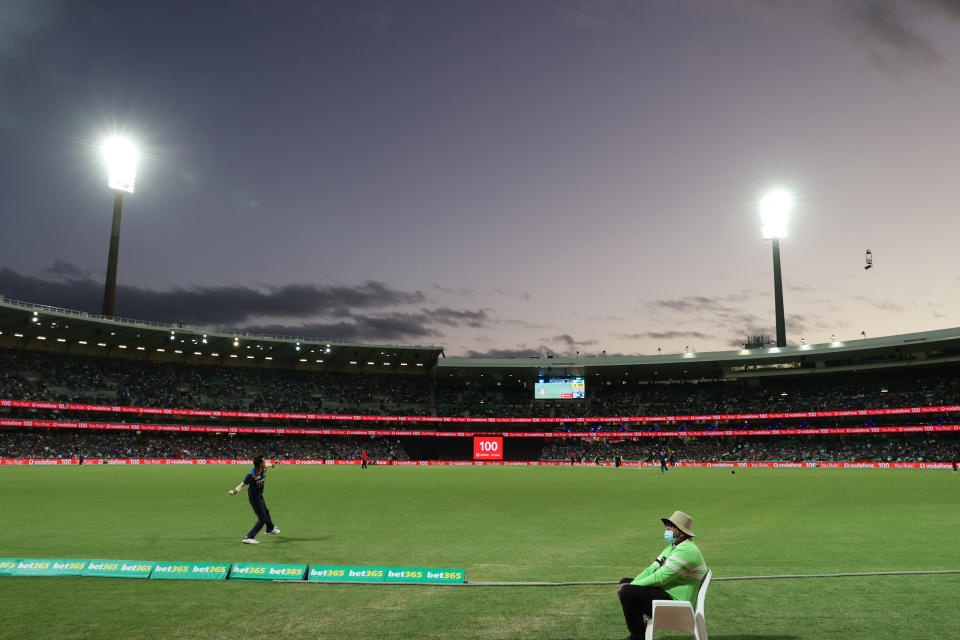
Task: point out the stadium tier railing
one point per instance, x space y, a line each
584 435
263 415
473 463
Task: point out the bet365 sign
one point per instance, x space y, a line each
488 448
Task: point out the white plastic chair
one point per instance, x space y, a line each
679 615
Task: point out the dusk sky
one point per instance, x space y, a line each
496 177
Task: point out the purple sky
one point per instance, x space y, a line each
495 177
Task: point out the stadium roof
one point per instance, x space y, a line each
930 347
37 327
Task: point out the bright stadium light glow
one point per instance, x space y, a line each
122 159
775 208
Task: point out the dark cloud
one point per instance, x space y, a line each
796 326
64 270
950 8
569 341
525 324
389 328
78 293
454 317
359 313
688 304
232 305
666 335
692 303
459 291
395 326
889 37
520 352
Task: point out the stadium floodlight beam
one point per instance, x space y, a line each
775 208
121 158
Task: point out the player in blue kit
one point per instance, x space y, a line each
255 480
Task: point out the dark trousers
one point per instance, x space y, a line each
263 514
637 601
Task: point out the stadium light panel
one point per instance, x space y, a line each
122 157
775 208
78 341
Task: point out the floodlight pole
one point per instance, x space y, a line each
778 295
110 287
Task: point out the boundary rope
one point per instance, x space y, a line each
607 582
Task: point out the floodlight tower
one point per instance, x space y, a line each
775 208
121 158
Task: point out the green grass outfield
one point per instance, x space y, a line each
498 523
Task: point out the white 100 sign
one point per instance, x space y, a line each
489 445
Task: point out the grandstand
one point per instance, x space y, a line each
73 384
79 389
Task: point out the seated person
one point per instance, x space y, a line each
676 575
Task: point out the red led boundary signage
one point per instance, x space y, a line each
487 448
26 404
633 435
483 463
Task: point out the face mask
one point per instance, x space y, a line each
668 535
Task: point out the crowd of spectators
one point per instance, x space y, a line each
615 398
43 377
70 443
893 448
27 375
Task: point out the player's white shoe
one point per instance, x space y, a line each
250 541
274 531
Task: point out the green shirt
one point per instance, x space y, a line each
679 571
